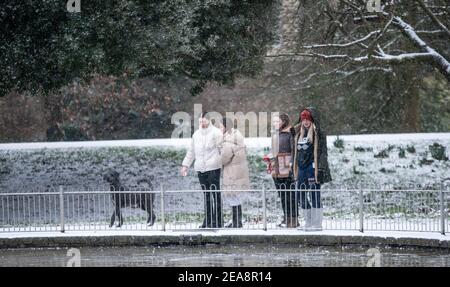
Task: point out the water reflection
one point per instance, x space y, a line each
227 256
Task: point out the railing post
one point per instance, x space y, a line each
361 211
163 213
442 203
264 208
61 207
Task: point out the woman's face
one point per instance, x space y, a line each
222 128
276 122
204 123
306 123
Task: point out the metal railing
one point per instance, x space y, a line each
57 209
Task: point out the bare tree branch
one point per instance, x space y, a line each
368 40
311 55
439 61
400 58
381 58
344 31
343 45
431 32
433 17
372 45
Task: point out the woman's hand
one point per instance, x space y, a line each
184 170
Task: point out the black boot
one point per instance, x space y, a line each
239 216
208 220
282 195
236 222
230 224
218 214
203 224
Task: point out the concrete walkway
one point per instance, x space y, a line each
198 237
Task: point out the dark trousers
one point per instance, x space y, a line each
210 181
306 180
289 199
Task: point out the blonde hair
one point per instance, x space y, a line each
311 132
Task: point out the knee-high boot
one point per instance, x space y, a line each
308 219
317 217
239 216
236 221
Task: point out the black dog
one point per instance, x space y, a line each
143 201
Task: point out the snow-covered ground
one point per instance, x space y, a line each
80 165
406 163
250 142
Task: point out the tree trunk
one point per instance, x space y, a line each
412 102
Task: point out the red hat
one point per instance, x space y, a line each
305 115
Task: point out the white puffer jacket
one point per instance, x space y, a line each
205 149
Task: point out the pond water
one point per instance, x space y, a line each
227 256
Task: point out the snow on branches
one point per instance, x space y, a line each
402 31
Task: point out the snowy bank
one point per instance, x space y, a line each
396 161
399 160
250 142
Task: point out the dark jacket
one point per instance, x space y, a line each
322 170
284 157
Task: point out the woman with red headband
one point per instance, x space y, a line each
310 166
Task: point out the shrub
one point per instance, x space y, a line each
382 154
425 161
411 149
384 170
338 142
73 132
390 147
438 151
355 171
401 152
359 149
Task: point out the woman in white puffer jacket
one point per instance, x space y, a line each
205 151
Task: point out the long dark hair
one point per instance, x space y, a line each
228 123
285 121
